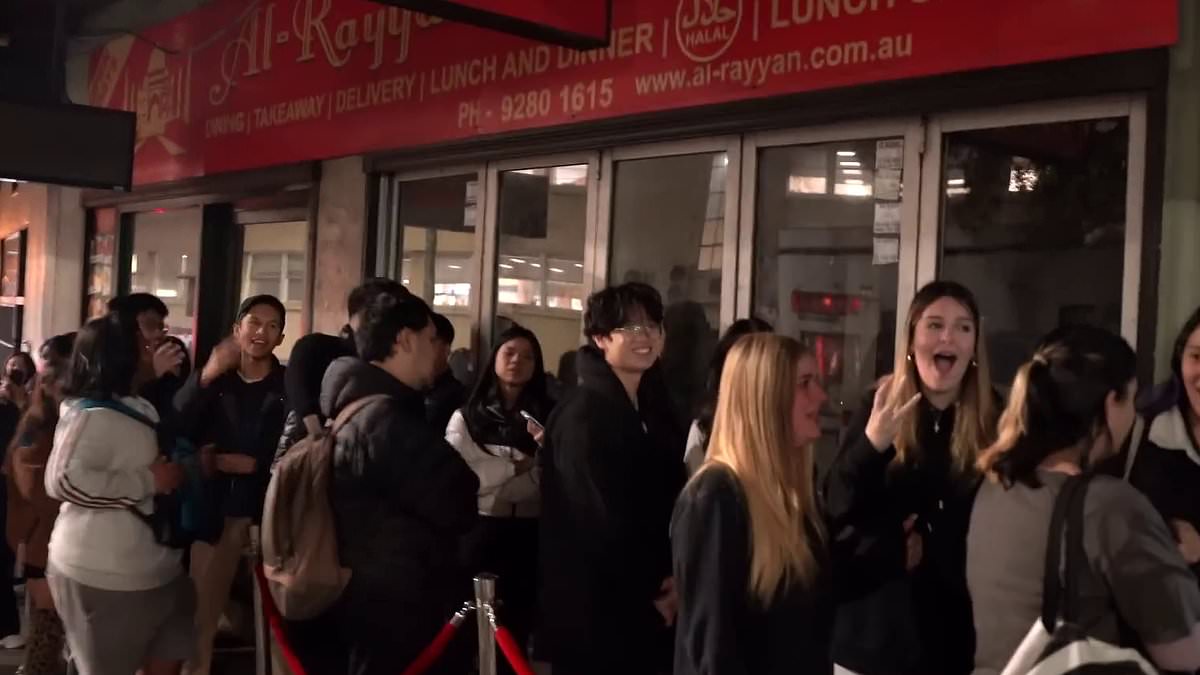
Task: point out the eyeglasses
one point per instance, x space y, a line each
651 330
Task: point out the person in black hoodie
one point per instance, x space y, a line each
610 476
1165 462
899 496
310 358
501 446
236 404
401 496
447 394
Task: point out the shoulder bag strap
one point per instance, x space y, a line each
351 410
1141 431
1066 559
113 404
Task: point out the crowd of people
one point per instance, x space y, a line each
624 541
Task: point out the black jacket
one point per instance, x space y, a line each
214 414
401 495
888 619
610 476
722 628
1166 467
310 358
446 396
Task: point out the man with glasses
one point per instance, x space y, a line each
610 476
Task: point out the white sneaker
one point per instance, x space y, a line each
13 642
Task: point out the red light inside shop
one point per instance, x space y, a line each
825 304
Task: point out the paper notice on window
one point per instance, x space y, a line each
887 217
889 154
887 251
887 184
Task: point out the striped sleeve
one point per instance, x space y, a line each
81 469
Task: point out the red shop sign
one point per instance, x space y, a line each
237 85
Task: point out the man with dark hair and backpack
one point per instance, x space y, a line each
236 403
401 496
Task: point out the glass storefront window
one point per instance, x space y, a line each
438 218
827 247
166 262
668 228
1033 221
542 223
275 262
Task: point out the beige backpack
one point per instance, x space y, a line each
299 541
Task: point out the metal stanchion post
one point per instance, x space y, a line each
262 634
485 597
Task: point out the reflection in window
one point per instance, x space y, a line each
165 263
542 224
827 231
668 231
275 262
1033 222
438 218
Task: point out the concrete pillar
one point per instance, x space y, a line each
341 236
1179 274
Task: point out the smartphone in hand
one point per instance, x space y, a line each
533 420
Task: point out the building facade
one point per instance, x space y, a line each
810 162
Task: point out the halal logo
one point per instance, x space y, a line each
705 29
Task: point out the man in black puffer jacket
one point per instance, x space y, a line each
402 497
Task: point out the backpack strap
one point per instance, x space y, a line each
344 417
113 404
1066 558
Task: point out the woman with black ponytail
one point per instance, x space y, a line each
1071 407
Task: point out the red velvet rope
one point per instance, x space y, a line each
512 652
276 624
434 651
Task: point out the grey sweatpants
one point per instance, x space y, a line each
115 632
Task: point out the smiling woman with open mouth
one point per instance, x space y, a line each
899 497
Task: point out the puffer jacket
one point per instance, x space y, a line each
402 497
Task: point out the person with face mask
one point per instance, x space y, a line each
611 471
1071 407
499 433
1164 456
899 497
235 405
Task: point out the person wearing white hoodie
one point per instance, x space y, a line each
124 599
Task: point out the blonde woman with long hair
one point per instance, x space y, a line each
899 497
747 537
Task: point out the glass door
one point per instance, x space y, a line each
1038 211
672 210
436 241
540 252
829 253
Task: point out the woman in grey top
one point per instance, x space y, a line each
1072 406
